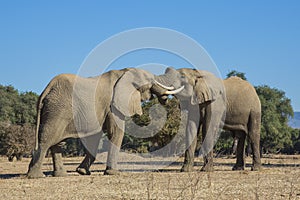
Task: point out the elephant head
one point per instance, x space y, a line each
205 87
137 85
200 87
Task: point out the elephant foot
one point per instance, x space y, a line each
207 168
111 172
256 168
35 174
60 173
186 168
83 171
238 168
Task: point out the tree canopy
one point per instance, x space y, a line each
276 111
237 73
17 108
17 121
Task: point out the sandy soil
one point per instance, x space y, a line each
279 179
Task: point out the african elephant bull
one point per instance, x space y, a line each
212 103
71 106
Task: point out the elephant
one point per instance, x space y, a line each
72 106
212 104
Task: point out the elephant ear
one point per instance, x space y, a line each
207 88
127 97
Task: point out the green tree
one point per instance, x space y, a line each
294 146
296 141
163 136
276 110
9 97
224 143
26 109
236 73
15 107
17 119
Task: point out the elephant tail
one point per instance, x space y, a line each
39 109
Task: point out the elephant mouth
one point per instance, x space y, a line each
162 91
163 99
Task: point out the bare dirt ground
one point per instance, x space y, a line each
279 179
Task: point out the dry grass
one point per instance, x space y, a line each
280 179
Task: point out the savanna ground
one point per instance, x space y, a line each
279 179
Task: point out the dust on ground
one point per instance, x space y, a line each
279 179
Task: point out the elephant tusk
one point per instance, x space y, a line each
175 91
163 86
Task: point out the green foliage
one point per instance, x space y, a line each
236 73
73 147
17 108
9 98
163 136
224 143
17 118
3 138
276 110
26 110
294 146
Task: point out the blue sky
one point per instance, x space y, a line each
40 39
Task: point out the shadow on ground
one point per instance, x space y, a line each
149 163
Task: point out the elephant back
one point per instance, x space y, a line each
241 99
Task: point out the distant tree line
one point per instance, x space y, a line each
18 120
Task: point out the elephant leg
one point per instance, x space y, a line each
208 140
198 145
19 157
84 167
189 155
11 158
115 135
192 130
254 137
234 145
240 154
208 165
58 166
91 144
256 163
48 137
35 166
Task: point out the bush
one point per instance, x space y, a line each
17 140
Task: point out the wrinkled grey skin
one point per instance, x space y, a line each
212 103
72 105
